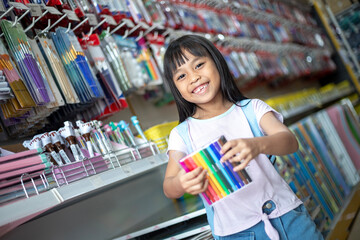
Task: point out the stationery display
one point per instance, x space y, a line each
324 169
223 180
99 69
111 86
76 65
57 69
26 61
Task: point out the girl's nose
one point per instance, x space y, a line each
195 78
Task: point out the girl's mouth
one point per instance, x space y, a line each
201 88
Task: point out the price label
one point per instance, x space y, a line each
35 9
71 15
18 5
92 19
109 19
53 10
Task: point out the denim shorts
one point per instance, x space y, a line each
296 224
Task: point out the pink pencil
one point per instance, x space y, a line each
25 170
28 185
21 154
16 180
21 163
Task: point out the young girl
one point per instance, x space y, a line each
208 103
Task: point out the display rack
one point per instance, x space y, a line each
125 201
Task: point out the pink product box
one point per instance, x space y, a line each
78 170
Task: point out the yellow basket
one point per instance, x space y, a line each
159 134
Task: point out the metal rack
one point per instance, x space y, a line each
51 188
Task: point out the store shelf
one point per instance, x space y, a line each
28 207
297 113
98 181
190 233
22 210
162 225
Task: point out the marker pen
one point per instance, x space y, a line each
79 138
49 147
100 142
103 136
56 140
136 124
129 136
117 132
110 134
94 144
69 134
85 129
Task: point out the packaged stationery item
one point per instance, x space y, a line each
110 83
116 62
26 61
57 69
223 180
57 99
81 75
133 63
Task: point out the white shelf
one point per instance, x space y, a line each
25 209
98 181
163 225
189 233
302 109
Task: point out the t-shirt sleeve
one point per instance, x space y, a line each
260 108
176 142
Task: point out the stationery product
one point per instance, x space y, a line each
68 133
49 147
57 98
23 162
136 124
127 133
114 95
103 136
85 129
223 180
23 97
116 130
23 154
26 61
112 54
57 69
59 147
43 164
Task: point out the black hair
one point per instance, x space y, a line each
200 47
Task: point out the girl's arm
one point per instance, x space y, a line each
279 140
177 182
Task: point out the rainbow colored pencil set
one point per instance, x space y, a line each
223 180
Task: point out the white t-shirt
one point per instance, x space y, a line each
242 209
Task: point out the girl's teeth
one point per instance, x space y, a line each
199 89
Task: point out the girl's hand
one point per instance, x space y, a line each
240 150
194 182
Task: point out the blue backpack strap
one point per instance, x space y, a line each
248 109
184 134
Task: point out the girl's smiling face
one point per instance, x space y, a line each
198 80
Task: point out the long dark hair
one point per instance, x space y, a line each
200 47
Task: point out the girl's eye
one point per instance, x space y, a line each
181 76
199 65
